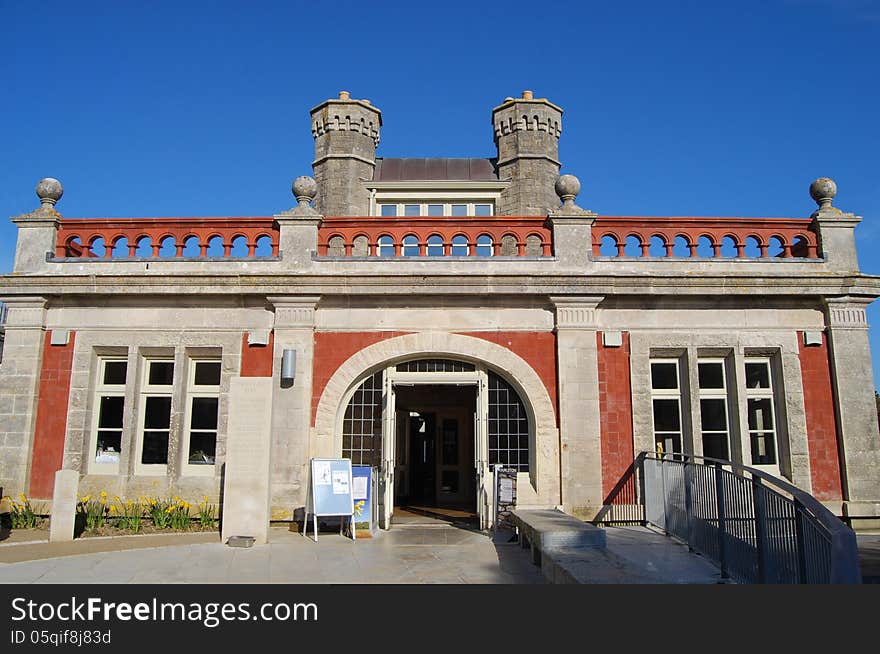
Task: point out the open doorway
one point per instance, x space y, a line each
435 476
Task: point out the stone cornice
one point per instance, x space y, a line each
853 286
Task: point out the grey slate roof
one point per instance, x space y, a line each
434 169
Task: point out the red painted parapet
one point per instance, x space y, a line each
145 237
440 236
789 237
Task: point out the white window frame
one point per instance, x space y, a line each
761 394
194 391
145 391
106 390
715 394
446 203
667 394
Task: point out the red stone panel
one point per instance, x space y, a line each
332 349
256 360
50 424
821 420
538 349
615 411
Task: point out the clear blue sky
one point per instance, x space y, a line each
671 108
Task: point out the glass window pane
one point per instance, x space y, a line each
161 373
207 373
763 448
204 413
435 209
664 375
713 414
202 448
758 375
114 372
389 210
450 442
483 210
666 417
411 210
110 412
157 413
109 446
760 414
459 209
711 375
155 447
669 442
715 446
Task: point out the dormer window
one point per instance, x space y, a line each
441 188
388 209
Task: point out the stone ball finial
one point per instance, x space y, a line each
304 189
567 187
49 190
823 191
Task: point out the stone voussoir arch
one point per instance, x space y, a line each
517 371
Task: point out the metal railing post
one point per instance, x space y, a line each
800 541
722 527
760 528
688 501
663 491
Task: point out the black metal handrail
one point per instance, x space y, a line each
756 527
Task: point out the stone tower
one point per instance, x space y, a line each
527 133
346 134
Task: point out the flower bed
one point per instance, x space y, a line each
102 516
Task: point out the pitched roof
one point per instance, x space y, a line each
434 169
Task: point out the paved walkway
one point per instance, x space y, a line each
434 554
408 554
411 553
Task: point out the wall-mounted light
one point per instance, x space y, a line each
288 367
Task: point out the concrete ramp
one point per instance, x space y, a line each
570 551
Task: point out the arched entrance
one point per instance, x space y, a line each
433 413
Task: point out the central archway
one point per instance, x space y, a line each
543 476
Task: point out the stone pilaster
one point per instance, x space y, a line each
527 131
836 229
291 413
298 227
579 425
38 230
851 372
346 134
572 225
19 383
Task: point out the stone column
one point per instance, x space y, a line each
852 375
292 404
38 230
298 227
572 226
64 498
579 425
19 383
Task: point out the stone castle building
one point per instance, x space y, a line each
437 317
